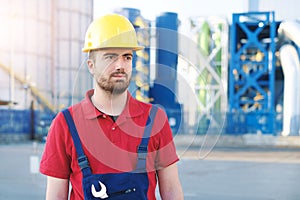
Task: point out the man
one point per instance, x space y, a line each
113 154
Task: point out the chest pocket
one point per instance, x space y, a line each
127 185
114 186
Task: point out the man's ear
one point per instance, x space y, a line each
90 64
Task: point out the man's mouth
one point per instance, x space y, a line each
118 75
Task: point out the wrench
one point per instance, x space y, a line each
99 194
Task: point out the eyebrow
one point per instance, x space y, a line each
128 54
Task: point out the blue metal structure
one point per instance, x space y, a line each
252 71
164 88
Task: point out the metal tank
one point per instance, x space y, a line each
41 68
165 86
40 52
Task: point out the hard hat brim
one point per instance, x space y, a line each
137 48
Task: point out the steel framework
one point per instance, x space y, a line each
252 69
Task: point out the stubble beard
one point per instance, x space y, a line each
113 87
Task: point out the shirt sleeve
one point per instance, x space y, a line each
56 158
166 153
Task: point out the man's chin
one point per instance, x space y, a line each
119 91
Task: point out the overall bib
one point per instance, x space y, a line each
114 186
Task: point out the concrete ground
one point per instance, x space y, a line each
219 173
241 173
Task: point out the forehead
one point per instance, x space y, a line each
118 51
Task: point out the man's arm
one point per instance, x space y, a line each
169 184
57 189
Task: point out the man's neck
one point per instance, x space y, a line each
111 104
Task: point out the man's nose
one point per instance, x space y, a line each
119 63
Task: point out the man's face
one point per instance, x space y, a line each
112 69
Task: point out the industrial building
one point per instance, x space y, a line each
40 62
237 77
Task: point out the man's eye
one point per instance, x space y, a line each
128 58
110 57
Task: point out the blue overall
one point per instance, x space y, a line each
114 186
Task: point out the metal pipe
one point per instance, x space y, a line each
290 30
291 102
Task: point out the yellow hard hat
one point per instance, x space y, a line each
111 31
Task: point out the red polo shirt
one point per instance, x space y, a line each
110 146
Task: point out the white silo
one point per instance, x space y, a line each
40 52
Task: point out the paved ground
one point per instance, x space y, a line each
16 180
222 174
241 173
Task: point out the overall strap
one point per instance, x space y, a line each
143 147
81 157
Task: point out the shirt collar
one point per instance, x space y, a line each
132 108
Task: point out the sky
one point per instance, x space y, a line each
187 9
287 9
